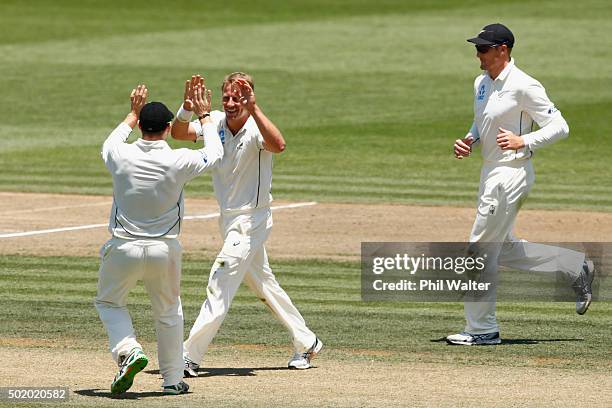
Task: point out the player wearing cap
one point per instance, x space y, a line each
242 184
507 102
145 221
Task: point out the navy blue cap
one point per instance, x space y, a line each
154 117
494 34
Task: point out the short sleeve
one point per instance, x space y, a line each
259 140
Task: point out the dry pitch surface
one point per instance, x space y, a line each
324 231
255 375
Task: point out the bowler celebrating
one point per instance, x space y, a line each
242 184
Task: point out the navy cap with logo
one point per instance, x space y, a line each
154 117
494 34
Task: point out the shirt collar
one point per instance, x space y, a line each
504 74
242 130
152 144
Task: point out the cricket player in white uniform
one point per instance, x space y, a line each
145 221
242 184
506 104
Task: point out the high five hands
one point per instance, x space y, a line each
197 97
245 93
138 99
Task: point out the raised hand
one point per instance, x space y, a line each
138 98
200 96
190 85
245 93
187 102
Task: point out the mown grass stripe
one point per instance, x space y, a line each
327 293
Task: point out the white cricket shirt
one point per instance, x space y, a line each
243 179
148 180
513 101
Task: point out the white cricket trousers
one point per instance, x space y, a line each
503 188
243 256
158 263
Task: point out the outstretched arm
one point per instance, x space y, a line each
138 98
273 139
181 128
212 153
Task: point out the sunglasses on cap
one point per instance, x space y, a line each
483 49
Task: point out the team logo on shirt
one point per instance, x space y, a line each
481 92
222 135
552 110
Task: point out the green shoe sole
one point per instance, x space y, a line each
124 382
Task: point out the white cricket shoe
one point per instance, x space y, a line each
467 339
191 368
582 287
301 361
180 388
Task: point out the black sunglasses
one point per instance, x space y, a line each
483 49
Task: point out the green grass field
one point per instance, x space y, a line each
328 295
370 95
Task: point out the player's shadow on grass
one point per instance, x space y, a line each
510 342
229 372
96 392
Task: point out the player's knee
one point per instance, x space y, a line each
105 304
167 321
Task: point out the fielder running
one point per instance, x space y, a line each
506 104
145 221
242 184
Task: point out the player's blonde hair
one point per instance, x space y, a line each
237 75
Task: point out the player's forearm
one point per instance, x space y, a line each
473 132
273 139
131 119
556 130
180 131
212 143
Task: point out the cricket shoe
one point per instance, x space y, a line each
128 368
191 368
582 287
467 339
301 361
180 388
